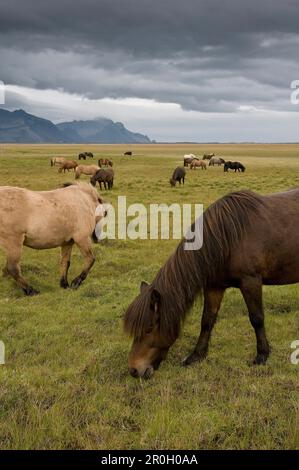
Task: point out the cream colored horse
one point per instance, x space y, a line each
89 170
198 164
57 161
48 219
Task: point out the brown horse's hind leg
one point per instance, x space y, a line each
251 288
66 251
85 248
212 302
13 253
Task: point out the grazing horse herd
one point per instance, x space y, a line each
240 249
194 162
96 172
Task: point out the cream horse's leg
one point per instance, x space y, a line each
13 250
85 248
65 262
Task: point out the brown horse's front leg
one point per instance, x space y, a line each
66 251
251 288
85 248
212 302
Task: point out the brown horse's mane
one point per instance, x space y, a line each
187 272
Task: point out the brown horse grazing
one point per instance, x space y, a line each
248 240
198 164
57 161
89 170
103 176
179 175
67 165
48 219
105 162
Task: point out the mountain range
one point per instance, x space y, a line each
20 127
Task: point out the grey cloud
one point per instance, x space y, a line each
206 55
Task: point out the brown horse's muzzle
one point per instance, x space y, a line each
147 373
145 369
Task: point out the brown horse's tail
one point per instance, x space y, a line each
51 161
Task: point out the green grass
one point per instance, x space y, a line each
65 383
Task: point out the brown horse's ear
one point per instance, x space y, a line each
143 285
156 297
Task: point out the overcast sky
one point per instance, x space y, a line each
196 70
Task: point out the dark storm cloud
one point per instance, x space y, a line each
140 25
207 55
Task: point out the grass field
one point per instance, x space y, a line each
65 384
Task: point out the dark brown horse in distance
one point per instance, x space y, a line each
237 166
105 176
128 153
248 240
178 175
81 156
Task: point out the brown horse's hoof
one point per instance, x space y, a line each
64 284
30 291
260 359
76 282
193 357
